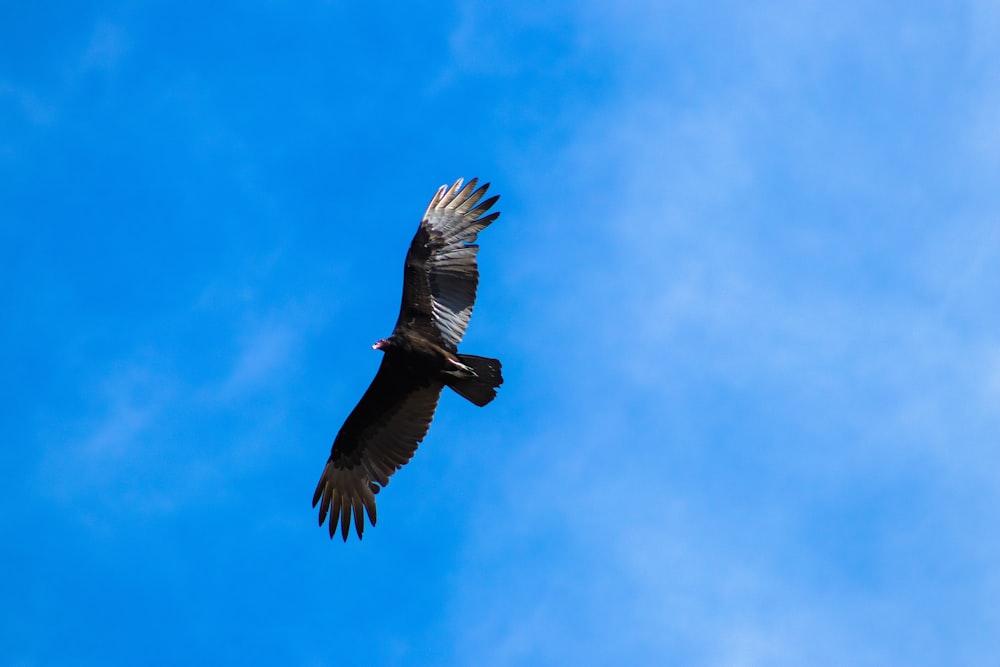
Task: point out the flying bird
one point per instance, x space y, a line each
419 360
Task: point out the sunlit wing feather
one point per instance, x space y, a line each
441 275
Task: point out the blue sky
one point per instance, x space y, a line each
744 288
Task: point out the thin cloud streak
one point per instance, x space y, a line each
132 450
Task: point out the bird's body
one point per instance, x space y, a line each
421 357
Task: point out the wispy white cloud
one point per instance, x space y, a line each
35 109
107 45
138 445
264 352
863 373
110 454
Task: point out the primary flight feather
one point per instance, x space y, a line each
419 359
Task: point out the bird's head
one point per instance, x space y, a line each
382 344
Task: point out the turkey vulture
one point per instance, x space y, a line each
419 359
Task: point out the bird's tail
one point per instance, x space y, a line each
480 387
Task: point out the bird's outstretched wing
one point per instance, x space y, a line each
379 437
441 276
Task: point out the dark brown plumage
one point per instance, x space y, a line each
420 358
